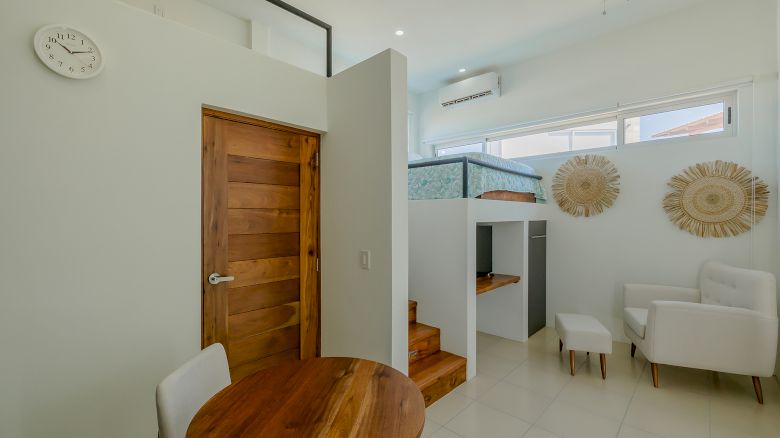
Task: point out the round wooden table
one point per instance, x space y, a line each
333 396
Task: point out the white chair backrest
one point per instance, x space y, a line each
183 392
726 285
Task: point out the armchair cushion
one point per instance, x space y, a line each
726 285
636 318
641 295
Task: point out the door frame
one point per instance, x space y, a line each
310 305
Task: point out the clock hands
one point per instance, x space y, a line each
73 52
63 46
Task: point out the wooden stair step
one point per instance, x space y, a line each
412 312
438 374
424 341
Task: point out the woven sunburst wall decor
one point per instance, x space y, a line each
586 185
716 199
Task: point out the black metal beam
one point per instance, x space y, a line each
316 21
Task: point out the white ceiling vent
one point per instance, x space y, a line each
484 86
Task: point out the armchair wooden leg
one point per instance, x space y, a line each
633 349
654 370
560 345
757 388
571 361
603 360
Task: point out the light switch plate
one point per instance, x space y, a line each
365 259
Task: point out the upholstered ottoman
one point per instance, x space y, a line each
583 333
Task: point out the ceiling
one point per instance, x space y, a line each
442 36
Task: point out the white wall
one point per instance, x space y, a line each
100 224
414 122
270 41
590 259
442 259
201 16
365 208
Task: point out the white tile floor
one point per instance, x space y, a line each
525 390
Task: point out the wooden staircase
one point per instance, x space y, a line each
435 372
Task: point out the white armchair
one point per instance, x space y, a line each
728 325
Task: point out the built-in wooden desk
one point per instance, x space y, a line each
488 283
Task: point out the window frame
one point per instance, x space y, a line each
729 100
729 97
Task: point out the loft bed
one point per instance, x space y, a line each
474 175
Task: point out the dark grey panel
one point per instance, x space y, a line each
537 276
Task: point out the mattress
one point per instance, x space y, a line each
445 181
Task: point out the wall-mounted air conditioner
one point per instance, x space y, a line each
484 86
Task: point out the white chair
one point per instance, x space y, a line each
727 325
183 392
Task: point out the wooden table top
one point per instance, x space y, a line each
320 397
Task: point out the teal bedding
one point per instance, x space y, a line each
445 181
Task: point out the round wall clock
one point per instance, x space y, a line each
68 51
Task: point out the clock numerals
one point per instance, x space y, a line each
68 52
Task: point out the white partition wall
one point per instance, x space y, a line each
442 270
438 257
364 208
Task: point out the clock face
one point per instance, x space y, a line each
68 52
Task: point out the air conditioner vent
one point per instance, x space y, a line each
469 90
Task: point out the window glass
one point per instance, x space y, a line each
681 118
683 122
592 136
466 148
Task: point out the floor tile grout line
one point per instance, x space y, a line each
633 394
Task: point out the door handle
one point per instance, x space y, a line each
217 279
539 236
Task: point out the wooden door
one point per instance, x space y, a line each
260 226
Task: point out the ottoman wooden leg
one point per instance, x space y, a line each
571 361
654 371
603 360
757 388
633 349
560 345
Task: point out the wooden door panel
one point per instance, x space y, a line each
260 321
261 226
247 195
262 246
260 296
258 221
259 171
309 239
214 232
258 142
264 345
250 272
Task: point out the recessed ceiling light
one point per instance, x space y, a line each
399 32
462 70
